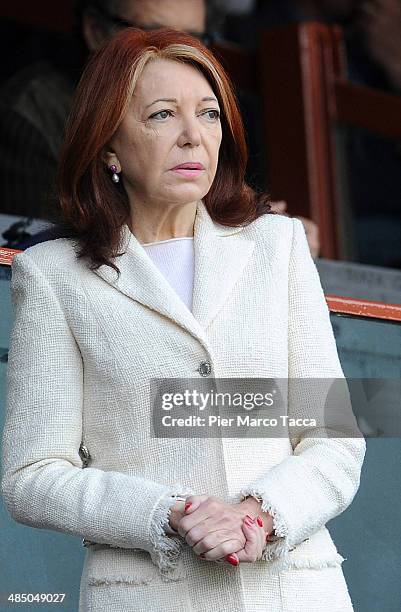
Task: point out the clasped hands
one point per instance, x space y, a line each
218 531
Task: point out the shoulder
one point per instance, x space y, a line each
272 223
30 83
49 256
271 230
37 98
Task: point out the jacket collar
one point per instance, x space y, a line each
220 253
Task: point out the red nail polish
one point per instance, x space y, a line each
187 506
259 521
231 559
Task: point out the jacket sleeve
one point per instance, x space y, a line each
43 483
320 478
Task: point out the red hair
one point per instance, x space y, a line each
93 208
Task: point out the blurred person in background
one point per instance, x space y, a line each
36 101
372 31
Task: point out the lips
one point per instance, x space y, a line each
189 166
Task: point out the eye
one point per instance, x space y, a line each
159 113
170 113
213 110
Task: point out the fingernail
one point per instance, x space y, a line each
259 521
231 559
187 506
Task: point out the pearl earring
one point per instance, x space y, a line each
115 178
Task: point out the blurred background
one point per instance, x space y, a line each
319 88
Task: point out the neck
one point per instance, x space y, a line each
152 223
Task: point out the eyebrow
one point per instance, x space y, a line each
176 101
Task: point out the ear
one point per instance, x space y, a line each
110 159
93 32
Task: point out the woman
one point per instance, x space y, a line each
105 310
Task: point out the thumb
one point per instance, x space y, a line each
250 549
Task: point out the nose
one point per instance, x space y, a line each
190 133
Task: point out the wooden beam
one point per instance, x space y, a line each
368 108
364 308
6 255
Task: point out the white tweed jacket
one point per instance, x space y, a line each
84 348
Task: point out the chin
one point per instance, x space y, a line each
190 193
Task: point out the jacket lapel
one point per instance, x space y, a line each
220 253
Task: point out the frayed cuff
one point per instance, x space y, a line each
278 546
166 547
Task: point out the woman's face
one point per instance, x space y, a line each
155 136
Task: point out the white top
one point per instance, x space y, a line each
175 259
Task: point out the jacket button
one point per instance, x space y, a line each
84 454
205 368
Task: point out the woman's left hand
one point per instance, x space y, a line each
217 530
255 541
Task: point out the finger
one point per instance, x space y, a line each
229 546
211 511
203 558
193 502
232 559
196 512
255 541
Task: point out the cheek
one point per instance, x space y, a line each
143 154
214 148
154 144
217 137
